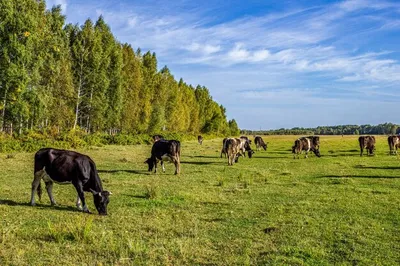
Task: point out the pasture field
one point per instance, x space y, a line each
339 209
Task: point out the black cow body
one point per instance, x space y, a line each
200 139
394 143
165 150
63 166
260 143
368 143
305 144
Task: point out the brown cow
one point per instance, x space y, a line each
394 143
232 149
367 142
305 144
260 143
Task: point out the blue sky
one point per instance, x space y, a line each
272 64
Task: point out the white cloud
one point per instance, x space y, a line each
62 3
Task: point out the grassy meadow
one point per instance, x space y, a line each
339 209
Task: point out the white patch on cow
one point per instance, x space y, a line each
309 146
166 158
78 203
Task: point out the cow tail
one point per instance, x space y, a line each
39 191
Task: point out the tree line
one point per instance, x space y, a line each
64 76
381 129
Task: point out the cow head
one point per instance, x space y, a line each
265 146
317 153
150 162
101 201
250 153
293 149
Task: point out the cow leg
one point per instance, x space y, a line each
155 166
49 188
162 165
81 195
78 203
36 186
361 152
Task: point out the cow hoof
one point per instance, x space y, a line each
33 204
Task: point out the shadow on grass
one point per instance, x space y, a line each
358 176
39 205
136 196
198 163
378 167
142 172
342 155
204 156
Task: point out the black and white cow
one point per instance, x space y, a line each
305 144
165 150
200 139
63 166
245 146
368 143
260 143
394 144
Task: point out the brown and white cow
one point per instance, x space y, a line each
260 143
232 149
200 139
394 143
368 143
305 144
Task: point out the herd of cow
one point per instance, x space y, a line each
63 166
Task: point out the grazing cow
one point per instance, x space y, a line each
157 138
304 144
200 139
62 166
232 149
394 143
165 150
244 145
368 143
260 143
246 138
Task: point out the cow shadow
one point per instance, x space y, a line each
141 172
39 205
378 167
203 156
359 176
341 155
198 163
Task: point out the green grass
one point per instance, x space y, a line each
339 209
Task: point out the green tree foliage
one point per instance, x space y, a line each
386 128
64 77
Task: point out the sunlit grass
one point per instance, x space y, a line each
271 209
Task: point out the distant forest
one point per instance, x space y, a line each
62 77
381 129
